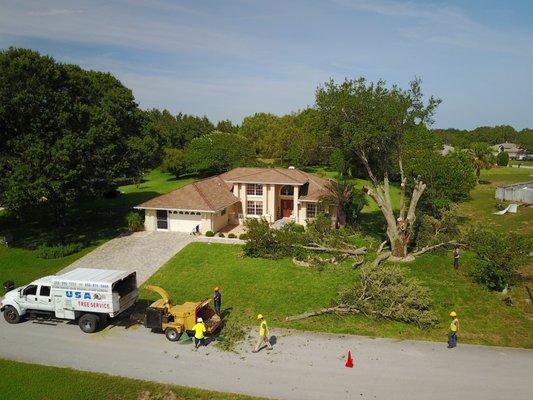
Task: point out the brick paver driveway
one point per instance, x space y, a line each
143 252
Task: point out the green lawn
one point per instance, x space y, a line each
93 222
52 383
482 204
277 289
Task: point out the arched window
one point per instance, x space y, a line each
287 190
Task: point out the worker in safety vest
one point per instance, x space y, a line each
199 333
263 335
454 327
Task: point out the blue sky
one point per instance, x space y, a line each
229 59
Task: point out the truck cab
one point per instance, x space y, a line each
37 296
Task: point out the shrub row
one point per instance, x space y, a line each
58 251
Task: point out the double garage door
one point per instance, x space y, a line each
178 221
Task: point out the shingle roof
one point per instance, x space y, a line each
211 194
276 176
315 189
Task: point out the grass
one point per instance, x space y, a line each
482 204
277 289
57 384
92 222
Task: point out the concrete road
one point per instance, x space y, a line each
301 366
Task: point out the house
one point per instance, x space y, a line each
515 151
446 149
230 198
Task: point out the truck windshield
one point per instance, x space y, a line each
30 290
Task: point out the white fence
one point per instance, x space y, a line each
517 193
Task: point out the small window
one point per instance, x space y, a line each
30 290
287 190
45 291
254 207
162 219
253 189
223 212
311 210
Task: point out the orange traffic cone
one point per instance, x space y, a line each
349 361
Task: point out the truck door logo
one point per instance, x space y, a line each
78 295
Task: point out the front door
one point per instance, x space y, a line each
286 208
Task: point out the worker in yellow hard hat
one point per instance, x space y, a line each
454 328
217 300
263 335
199 333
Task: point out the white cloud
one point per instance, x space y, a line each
53 12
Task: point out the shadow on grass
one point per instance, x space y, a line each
372 224
88 222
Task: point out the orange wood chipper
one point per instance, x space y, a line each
173 320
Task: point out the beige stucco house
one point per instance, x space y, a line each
229 199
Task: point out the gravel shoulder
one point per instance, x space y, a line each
301 366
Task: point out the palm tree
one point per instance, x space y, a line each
346 198
482 157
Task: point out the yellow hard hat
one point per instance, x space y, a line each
217 289
259 316
453 314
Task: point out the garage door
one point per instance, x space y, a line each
184 221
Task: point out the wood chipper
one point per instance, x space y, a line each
175 319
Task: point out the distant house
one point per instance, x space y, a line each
229 199
446 149
516 192
515 151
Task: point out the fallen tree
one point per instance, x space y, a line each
384 293
351 251
340 309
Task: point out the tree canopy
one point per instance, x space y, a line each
369 120
64 132
218 152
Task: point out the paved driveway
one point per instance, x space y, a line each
143 252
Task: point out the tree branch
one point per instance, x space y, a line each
341 309
435 246
366 163
355 252
417 193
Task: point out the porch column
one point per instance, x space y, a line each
265 200
272 202
295 204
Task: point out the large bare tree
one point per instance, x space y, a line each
369 120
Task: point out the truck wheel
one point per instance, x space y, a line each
11 315
88 323
172 334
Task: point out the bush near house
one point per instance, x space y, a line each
502 159
232 236
135 221
221 235
210 234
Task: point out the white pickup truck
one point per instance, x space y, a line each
84 294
